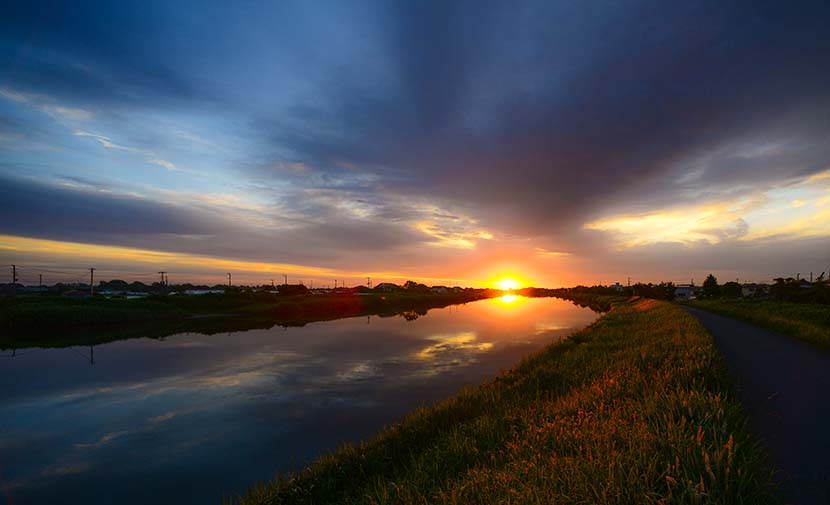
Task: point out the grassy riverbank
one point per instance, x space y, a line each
808 322
41 320
599 303
634 409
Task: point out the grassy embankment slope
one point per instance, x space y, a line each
634 409
808 322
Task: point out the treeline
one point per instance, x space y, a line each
118 286
661 291
787 289
596 298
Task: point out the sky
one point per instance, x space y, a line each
448 142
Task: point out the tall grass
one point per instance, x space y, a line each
634 409
808 322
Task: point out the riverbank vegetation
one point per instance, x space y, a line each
636 408
34 320
597 298
795 290
804 321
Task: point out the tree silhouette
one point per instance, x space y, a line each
731 290
710 287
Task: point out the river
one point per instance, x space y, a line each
192 418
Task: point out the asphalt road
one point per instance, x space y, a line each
784 385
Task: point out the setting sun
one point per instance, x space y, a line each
507 284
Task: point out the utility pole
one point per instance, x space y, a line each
629 282
40 280
163 285
14 279
369 282
285 279
272 284
335 284
91 281
229 279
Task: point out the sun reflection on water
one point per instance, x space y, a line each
508 299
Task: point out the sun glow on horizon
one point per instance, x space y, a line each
507 284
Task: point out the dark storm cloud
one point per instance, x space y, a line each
89 53
533 117
586 106
40 210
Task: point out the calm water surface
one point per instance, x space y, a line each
192 417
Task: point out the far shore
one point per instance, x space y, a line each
56 321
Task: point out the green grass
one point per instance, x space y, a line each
803 321
637 408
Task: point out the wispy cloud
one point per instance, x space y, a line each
163 163
102 441
105 141
162 418
47 105
544 253
447 238
69 112
710 224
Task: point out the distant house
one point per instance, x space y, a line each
204 291
685 292
75 293
619 288
35 289
439 289
386 287
749 290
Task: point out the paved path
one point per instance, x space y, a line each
784 385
